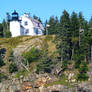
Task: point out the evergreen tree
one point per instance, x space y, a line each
81 20
51 29
46 62
74 25
45 31
35 17
75 32
8 17
6 31
39 20
89 37
1 30
65 34
57 26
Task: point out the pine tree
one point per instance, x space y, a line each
45 62
1 30
6 31
90 39
51 22
65 34
35 17
75 32
45 31
57 26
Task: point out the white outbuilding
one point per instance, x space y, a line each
25 25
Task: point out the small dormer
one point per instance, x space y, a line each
15 16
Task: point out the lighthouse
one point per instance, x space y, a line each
15 25
25 25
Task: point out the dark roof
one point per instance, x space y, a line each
14 13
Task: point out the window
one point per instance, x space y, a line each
38 24
36 31
25 23
39 32
26 31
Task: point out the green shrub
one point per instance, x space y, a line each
21 72
7 34
11 56
2 76
83 67
82 77
64 64
13 68
37 69
45 65
78 58
1 62
32 55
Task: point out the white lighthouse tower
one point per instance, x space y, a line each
15 25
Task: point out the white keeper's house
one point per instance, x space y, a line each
25 25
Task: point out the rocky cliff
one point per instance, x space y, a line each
26 80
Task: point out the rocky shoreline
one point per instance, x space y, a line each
35 83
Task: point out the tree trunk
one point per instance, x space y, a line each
72 53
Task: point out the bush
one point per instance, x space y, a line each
78 57
82 77
83 67
11 56
2 76
64 64
32 55
1 62
21 72
37 69
7 34
13 68
45 65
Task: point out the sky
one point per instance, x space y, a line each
45 8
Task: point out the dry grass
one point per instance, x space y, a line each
15 42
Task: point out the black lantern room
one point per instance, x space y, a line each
15 16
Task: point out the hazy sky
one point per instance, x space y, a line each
45 8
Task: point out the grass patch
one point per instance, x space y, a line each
61 81
51 47
11 42
49 37
21 73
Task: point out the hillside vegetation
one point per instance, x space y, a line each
21 45
63 57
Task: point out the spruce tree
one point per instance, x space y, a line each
1 30
75 32
45 62
51 22
65 34
89 36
